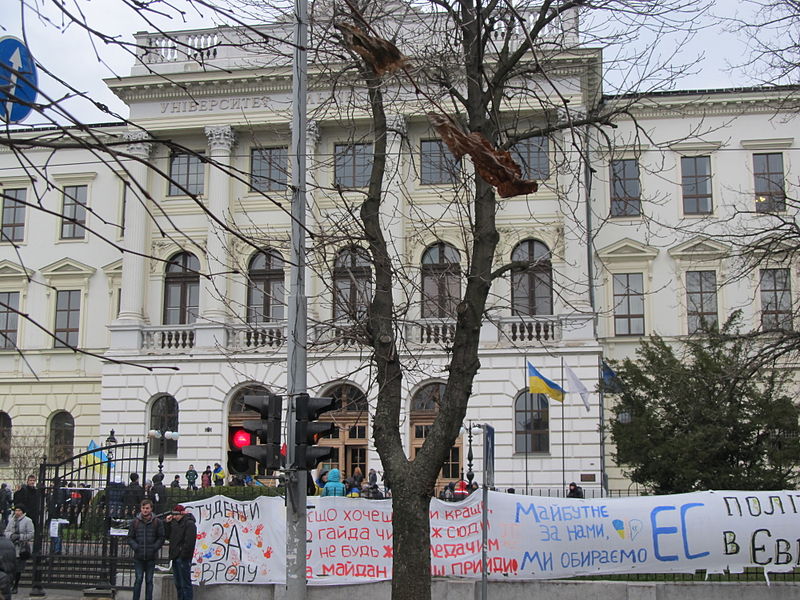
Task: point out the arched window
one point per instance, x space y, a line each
237 402
5 437
441 281
352 284
181 289
531 423
349 398
265 287
532 288
62 437
164 417
428 397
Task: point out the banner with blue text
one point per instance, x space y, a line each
529 537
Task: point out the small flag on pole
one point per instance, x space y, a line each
611 382
539 384
576 386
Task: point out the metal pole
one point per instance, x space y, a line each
563 446
297 315
485 537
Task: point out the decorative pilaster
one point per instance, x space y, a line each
213 313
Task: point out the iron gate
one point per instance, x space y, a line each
85 506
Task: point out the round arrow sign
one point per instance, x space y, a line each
18 79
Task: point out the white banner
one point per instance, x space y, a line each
529 537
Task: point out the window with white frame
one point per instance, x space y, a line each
441 281
9 320
62 437
696 185
352 165
437 163
269 168
352 284
626 191
13 227
181 289
73 216
776 299
266 287
533 157
68 319
628 303
164 417
531 423
186 174
769 181
701 300
532 288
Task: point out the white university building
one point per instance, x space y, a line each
638 242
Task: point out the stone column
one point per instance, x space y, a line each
126 329
214 289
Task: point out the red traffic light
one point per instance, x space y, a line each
240 438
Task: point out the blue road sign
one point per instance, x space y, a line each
18 80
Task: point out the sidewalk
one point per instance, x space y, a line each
52 594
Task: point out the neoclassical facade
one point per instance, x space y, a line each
192 316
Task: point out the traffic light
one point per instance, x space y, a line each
238 438
268 430
307 432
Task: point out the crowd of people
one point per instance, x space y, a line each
331 483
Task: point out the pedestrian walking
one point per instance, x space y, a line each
20 532
182 534
145 537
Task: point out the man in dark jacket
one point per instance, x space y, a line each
182 534
134 493
145 537
8 565
158 494
28 496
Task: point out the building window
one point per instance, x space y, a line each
428 397
68 317
701 300
5 437
629 304
533 157
437 163
13 229
352 284
769 182
441 281
626 193
9 319
532 288
73 218
164 417
531 423
181 289
265 287
451 469
268 168
186 174
696 185
62 437
352 165
348 398
776 300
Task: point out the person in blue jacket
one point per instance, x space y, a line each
334 486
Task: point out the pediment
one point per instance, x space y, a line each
68 267
699 248
113 269
11 270
627 249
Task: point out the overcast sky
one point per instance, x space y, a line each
68 52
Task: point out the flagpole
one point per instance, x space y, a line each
603 480
563 446
528 410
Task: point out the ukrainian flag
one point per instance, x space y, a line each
539 384
97 460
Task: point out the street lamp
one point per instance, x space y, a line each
472 429
162 437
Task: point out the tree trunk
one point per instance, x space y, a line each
411 577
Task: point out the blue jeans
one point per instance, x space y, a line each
182 574
144 570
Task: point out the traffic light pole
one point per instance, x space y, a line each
297 315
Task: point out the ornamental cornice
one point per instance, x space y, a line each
705 107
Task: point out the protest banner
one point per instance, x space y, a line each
529 537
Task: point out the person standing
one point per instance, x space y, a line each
5 504
205 478
145 537
20 531
575 491
28 496
134 493
8 565
191 478
158 493
219 474
176 483
334 487
182 534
